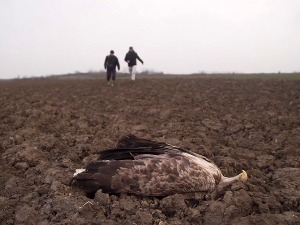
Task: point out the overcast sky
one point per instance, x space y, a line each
44 37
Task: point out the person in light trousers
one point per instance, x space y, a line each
131 58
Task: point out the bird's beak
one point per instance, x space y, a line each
244 176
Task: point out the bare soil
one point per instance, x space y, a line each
50 127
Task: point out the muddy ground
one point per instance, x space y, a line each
50 127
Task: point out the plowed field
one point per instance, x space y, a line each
50 127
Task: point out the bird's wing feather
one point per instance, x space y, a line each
127 153
130 146
131 141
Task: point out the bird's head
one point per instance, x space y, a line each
243 176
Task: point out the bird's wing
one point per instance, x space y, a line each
127 153
130 146
131 141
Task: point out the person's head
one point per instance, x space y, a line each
130 49
112 52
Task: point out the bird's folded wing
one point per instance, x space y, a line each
131 141
130 146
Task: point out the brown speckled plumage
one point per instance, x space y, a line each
148 168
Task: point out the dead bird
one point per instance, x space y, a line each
149 168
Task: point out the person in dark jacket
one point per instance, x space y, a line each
110 64
131 58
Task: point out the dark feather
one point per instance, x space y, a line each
98 175
129 146
131 141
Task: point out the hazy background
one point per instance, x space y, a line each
45 37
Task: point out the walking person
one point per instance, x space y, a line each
131 58
110 64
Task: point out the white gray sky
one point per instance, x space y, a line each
44 37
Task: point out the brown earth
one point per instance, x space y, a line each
50 127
